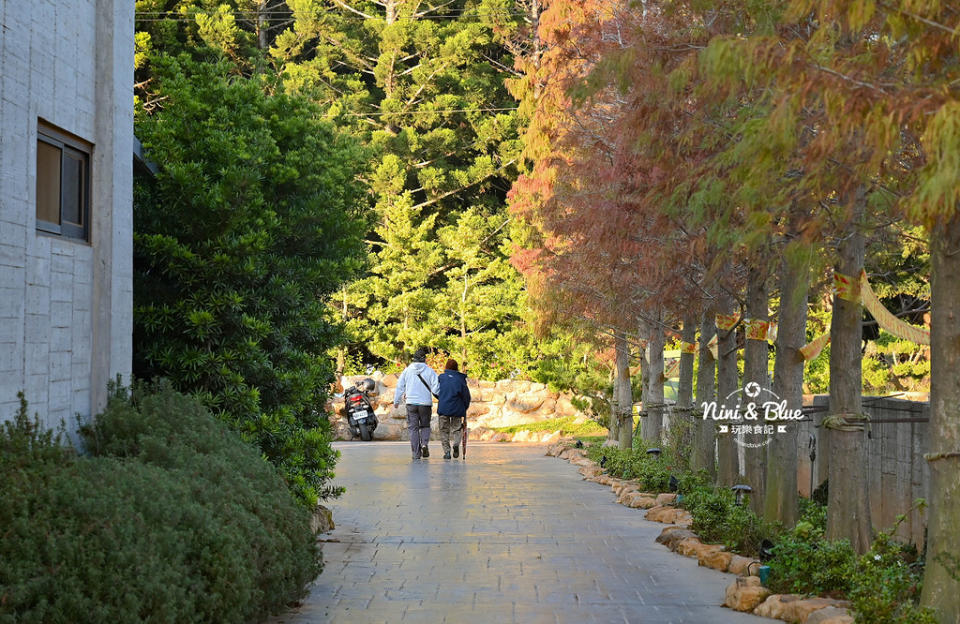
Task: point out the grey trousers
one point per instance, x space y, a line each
418 423
450 426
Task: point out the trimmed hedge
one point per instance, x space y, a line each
172 518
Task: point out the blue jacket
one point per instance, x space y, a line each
454 396
415 390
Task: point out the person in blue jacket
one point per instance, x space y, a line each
453 399
416 385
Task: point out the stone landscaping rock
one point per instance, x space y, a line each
794 608
553 450
672 535
715 559
745 593
390 430
639 500
661 514
551 438
669 515
622 486
590 471
322 520
830 615
740 565
666 499
689 547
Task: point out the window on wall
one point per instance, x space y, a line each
63 183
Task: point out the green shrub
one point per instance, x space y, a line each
805 563
717 518
887 585
171 519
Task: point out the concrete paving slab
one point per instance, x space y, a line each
508 535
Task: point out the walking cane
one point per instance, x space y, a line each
464 441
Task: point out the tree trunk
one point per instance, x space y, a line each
848 510
262 25
727 384
941 579
704 438
681 423
622 392
780 500
653 401
756 370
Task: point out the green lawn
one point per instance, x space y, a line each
566 426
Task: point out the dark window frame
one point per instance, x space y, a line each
75 148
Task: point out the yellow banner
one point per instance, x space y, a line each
757 329
846 287
814 347
713 347
726 322
672 369
688 347
886 320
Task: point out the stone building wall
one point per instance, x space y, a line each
65 304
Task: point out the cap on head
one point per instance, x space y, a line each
420 355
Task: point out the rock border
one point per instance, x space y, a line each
745 593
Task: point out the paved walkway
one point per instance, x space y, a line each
508 535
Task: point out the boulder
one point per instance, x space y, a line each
501 437
830 615
525 403
554 449
638 500
661 514
524 436
564 407
390 381
390 430
666 499
715 559
573 453
745 593
795 608
475 411
671 535
488 385
322 520
590 471
605 479
669 515
622 486
741 565
550 438
688 547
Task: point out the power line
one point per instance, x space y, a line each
169 16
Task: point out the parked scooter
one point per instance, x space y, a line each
360 413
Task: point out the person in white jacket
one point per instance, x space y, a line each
419 384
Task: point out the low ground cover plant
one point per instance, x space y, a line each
169 517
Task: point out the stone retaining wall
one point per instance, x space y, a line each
495 404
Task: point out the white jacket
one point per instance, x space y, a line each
409 384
